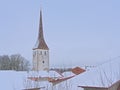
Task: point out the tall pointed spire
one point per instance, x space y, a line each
41 44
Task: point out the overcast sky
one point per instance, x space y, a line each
78 32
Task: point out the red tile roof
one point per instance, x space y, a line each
77 70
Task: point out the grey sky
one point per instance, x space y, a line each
78 32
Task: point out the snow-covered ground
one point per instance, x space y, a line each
102 76
13 80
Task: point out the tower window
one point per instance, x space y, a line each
40 52
45 53
43 61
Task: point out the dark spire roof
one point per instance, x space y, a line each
41 44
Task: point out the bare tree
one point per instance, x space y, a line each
14 62
4 62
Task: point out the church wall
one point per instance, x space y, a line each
40 59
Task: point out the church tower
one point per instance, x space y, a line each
40 51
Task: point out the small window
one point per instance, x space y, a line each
45 53
40 52
33 54
43 61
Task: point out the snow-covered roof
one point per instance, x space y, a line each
18 80
104 75
67 74
44 74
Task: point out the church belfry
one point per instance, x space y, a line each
41 51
